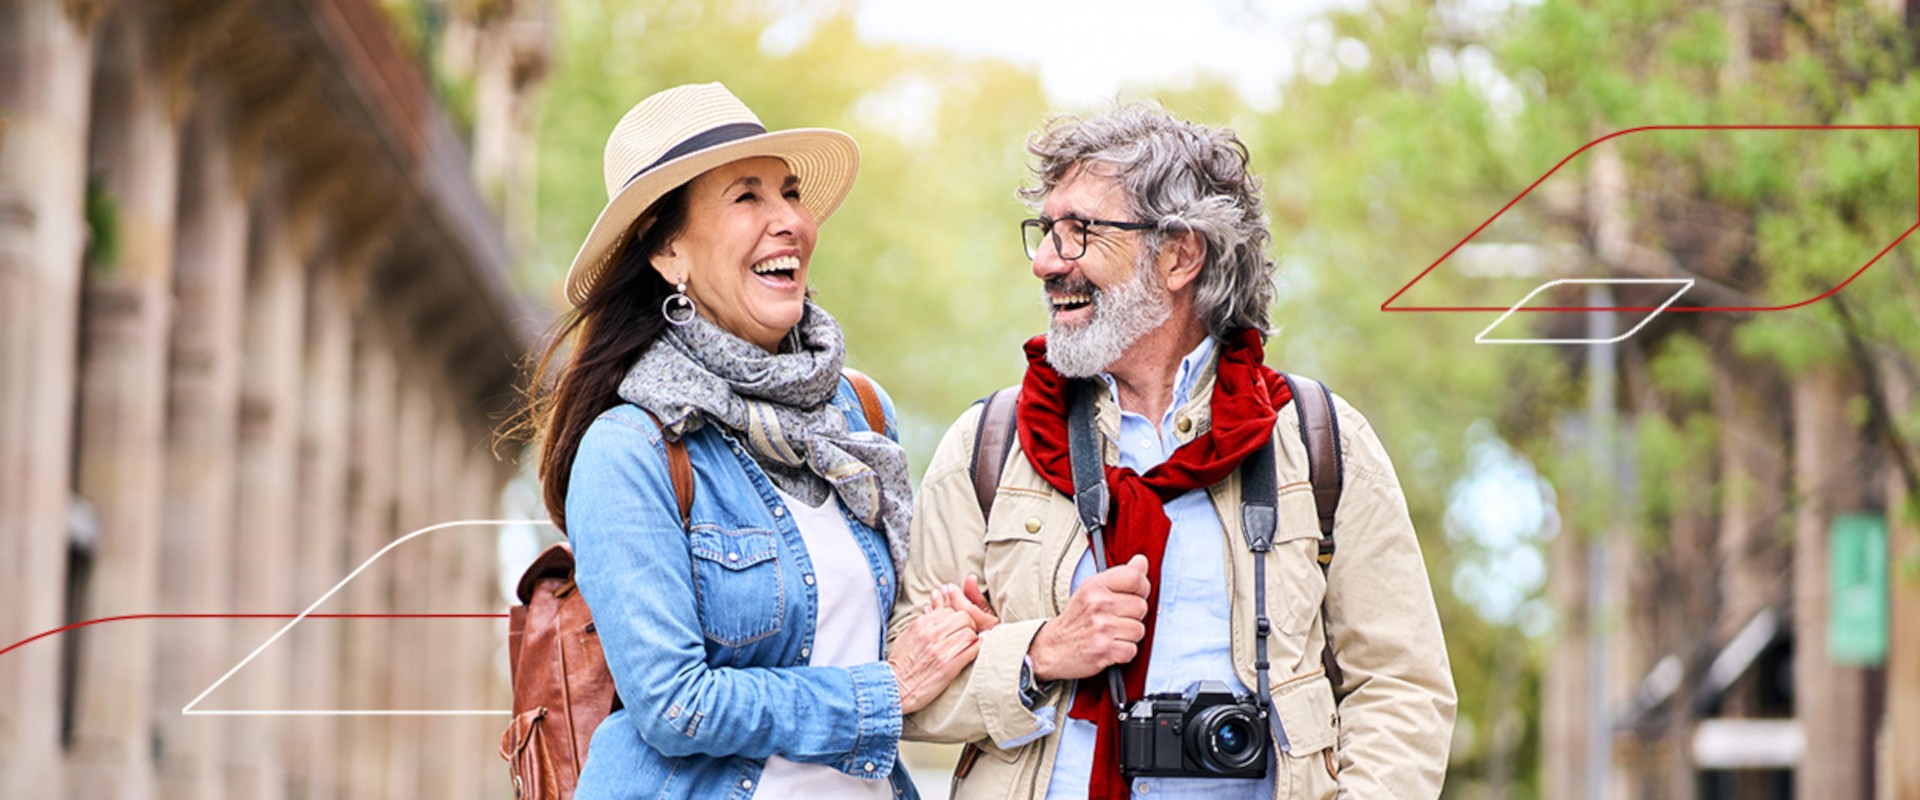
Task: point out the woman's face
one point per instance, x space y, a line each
744 250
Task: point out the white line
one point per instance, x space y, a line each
189 710
1684 283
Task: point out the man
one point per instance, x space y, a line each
1151 244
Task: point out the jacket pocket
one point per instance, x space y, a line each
1011 554
1295 569
736 576
1307 713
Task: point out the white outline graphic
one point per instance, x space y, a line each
1684 283
189 709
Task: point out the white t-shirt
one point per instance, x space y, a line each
848 634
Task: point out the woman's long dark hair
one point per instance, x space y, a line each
596 344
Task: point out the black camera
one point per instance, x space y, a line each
1205 732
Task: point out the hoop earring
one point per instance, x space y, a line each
678 302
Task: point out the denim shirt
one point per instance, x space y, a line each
708 629
1191 638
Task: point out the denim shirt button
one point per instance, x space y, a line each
779 511
746 783
808 578
733 556
868 766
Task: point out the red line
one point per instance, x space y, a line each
64 629
1563 162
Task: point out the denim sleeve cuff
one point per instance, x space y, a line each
996 674
877 743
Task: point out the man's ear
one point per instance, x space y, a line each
1181 256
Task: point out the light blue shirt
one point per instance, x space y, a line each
1191 634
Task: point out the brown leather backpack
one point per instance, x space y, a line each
562 689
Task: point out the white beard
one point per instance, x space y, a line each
1121 316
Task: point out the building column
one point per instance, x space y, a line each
121 430
408 575
444 549
486 642
326 424
265 515
1829 699
46 54
204 399
367 658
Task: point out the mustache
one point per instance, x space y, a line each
1069 285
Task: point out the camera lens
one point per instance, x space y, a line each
1233 738
1228 737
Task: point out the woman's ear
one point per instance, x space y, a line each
667 262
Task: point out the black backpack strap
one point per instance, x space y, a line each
1326 467
992 442
1091 499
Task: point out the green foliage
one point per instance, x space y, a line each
103 228
1681 366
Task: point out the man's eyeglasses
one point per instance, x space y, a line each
1069 234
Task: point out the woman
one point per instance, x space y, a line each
746 644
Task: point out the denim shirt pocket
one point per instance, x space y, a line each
737 580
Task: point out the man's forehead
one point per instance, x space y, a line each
1084 190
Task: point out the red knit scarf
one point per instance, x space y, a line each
1246 395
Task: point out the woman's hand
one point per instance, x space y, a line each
927 656
970 600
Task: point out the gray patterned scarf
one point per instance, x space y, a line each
777 404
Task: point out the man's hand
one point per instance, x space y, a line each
1100 627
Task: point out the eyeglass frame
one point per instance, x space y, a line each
1046 228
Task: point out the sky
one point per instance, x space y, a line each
1085 51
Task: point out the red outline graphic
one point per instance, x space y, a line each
63 629
1388 305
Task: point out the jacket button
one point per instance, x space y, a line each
733 556
779 511
806 652
746 784
808 579
1185 424
1033 524
868 767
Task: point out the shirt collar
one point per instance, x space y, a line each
1184 378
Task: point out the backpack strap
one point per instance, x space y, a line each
869 400
680 471
1326 468
992 442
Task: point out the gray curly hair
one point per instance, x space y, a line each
1185 177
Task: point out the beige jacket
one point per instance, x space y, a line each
1387 737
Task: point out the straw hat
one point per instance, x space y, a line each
670 138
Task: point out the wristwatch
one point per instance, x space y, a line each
1031 693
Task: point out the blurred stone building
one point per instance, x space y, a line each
255 324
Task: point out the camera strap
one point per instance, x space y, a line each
1259 518
1090 500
